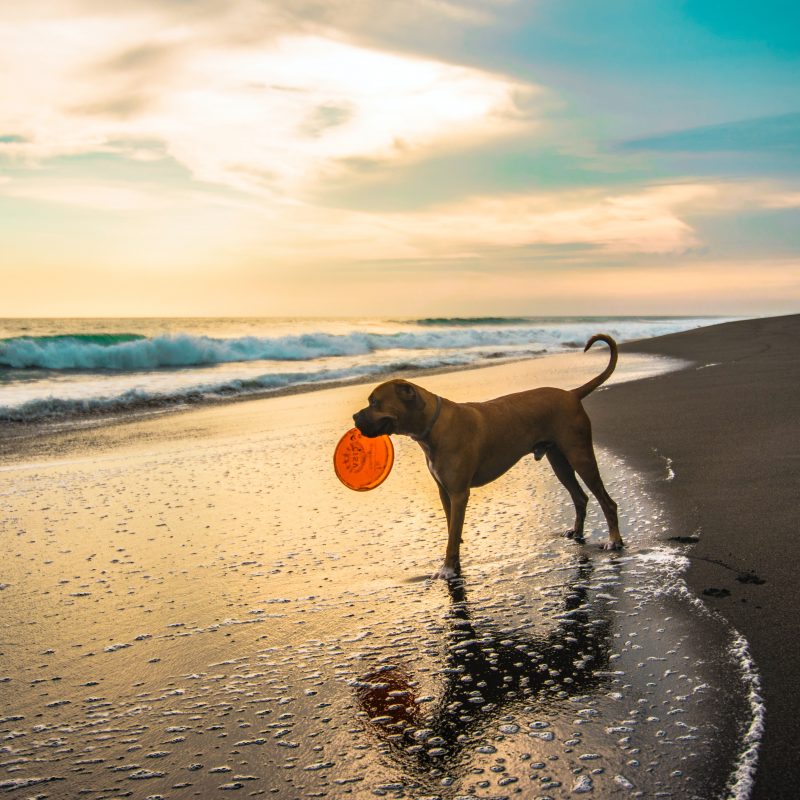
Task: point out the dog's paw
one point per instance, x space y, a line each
445 573
571 534
612 545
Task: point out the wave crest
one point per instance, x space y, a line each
131 354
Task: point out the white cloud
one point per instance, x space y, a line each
268 115
648 221
107 196
652 220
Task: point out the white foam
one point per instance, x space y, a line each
670 476
740 784
667 566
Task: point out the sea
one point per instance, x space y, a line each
66 369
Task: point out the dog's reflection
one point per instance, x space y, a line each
485 672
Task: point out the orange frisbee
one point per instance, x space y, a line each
362 463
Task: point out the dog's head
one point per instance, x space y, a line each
394 407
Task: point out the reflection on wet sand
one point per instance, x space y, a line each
485 671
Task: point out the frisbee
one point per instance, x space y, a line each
362 463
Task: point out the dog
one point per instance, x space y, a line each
471 444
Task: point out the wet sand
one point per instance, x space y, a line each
719 444
195 607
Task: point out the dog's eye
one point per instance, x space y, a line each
373 402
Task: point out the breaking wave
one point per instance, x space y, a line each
132 353
139 354
142 399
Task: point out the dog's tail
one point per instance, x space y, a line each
589 387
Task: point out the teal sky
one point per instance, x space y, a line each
399 157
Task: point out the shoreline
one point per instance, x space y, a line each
20 437
718 442
15 434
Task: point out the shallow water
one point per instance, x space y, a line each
189 621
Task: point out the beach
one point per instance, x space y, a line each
195 606
719 442
233 235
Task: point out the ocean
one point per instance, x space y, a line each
62 369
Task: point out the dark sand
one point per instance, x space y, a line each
729 428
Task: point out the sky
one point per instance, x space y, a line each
399 157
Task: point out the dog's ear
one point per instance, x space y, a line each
408 393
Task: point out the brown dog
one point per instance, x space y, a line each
471 444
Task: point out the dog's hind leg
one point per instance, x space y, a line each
584 463
566 475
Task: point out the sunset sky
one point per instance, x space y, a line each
401 157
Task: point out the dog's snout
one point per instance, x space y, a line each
371 424
360 420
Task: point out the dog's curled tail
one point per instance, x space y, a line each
589 387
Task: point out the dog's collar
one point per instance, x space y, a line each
429 428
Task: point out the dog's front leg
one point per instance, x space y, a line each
455 522
445 498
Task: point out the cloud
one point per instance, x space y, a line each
773 133
647 221
556 227
257 108
96 195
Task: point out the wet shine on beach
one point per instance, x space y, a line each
195 607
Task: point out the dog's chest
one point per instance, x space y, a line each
432 469
429 461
